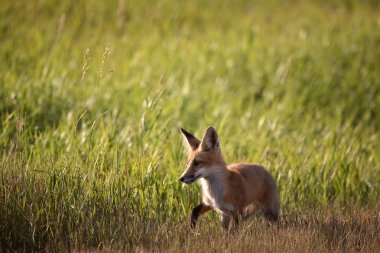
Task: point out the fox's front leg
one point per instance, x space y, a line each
229 221
198 211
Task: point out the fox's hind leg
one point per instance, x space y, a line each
198 211
271 215
271 208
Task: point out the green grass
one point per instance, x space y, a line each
92 95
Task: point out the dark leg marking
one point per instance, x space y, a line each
198 211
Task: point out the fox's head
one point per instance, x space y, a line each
204 156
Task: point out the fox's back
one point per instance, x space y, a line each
258 185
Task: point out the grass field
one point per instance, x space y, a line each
93 93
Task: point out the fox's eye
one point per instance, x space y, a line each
196 163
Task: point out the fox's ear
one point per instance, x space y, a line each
210 141
192 141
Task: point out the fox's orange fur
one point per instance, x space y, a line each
234 190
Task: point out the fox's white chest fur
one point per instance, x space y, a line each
213 192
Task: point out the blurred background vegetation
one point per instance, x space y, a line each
92 95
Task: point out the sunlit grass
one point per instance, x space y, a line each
92 96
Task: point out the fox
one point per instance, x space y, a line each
235 191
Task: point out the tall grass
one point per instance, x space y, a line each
92 96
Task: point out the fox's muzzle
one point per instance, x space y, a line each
188 179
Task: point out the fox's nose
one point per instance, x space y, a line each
182 179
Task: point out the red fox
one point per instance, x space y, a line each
236 190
